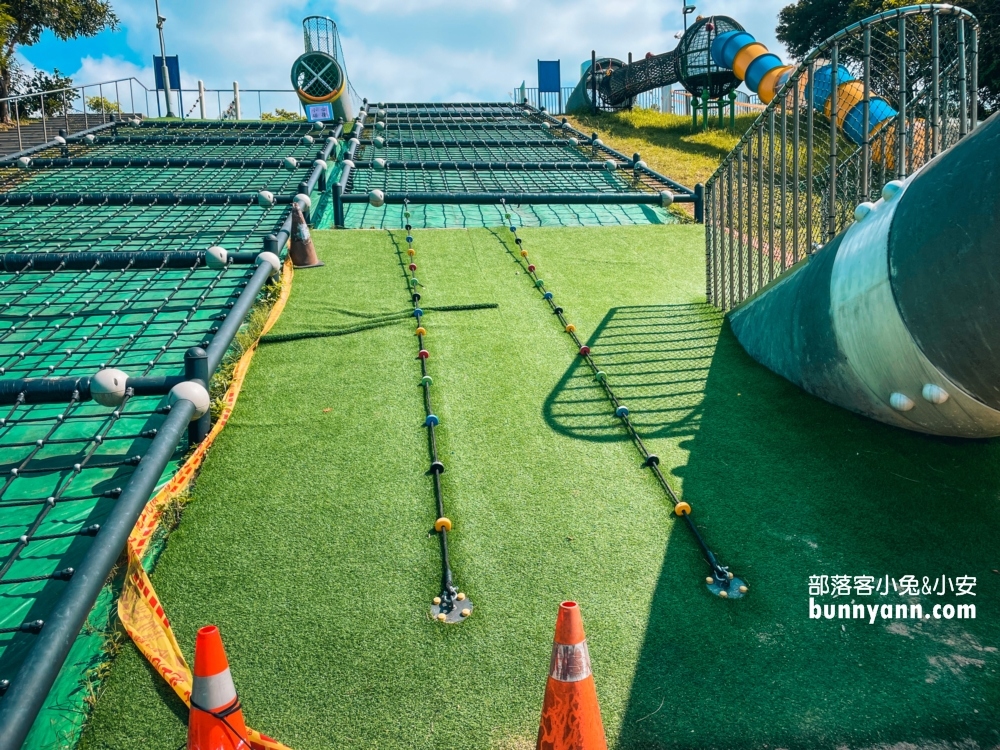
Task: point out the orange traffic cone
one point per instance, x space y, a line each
303 252
571 717
216 721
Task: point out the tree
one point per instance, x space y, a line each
54 104
281 115
23 21
806 23
99 104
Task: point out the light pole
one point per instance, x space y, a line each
687 9
163 60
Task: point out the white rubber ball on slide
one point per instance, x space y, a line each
60 140
934 393
304 201
319 125
666 198
265 199
379 126
891 189
90 139
24 163
307 140
574 142
290 163
217 257
610 165
900 402
379 141
863 210
107 387
193 392
376 198
379 163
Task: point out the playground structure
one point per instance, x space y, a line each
319 75
103 208
610 84
128 220
788 224
474 155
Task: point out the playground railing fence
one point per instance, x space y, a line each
793 181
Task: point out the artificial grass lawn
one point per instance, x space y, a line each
308 543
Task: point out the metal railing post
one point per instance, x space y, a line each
832 206
810 82
236 100
784 181
770 197
963 106
196 368
593 80
901 119
760 207
201 99
17 119
739 225
729 225
974 81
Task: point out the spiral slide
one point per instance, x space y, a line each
764 74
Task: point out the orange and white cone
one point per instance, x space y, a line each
571 716
216 721
303 251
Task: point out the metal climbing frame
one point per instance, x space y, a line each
794 179
482 155
103 245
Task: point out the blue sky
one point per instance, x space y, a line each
401 50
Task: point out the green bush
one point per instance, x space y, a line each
100 104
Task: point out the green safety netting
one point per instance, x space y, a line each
505 149
63 465
363 216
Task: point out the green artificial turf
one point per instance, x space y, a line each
308 541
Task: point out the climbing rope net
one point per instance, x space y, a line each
102 265
461 158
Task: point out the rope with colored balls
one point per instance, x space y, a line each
451 605
721 580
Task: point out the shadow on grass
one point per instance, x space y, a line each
656 358
784 487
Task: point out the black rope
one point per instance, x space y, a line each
450 597
720 573
222 716
388 320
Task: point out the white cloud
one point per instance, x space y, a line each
414 50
